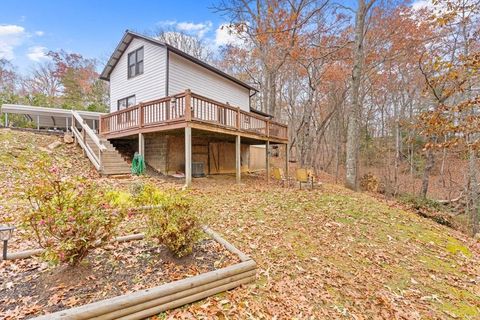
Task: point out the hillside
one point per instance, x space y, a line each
327 253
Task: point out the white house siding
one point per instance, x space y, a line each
184 74
148 86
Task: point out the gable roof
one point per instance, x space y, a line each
130 35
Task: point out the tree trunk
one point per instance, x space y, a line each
353 130
426 173
473 186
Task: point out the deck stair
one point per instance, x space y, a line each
103 155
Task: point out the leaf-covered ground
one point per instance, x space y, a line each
332 253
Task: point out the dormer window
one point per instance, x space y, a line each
135 63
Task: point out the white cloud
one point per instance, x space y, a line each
11 36
422 4
197 29
213 38
167 23
39 33
226 35
200 29
37 53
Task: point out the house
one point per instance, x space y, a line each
180 113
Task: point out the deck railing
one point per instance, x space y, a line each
87 139
189 107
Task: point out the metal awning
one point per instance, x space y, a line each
50 117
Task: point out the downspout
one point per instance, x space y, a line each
250 100
167 71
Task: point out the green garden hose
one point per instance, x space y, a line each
138 164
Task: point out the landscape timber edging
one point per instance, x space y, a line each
35 252
148 302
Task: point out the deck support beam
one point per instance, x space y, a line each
267 159
141 144
188 156
238 162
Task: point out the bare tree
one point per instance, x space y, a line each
353 133
43 80
191 44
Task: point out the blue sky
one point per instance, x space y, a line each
28 29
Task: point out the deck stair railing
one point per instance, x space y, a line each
88 140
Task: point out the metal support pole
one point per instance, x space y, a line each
287 159
6 120
188 156
238 163
5 242
66 124
38 123
267 160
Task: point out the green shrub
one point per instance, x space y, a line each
148 195
68 217
119 199
172 222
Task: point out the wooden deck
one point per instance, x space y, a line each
191 110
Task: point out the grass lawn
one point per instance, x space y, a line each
327 253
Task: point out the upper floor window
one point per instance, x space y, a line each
126 102
135 63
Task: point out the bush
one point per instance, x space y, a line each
173 222
147 195
69 217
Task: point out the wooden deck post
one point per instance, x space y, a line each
188 156
267 159
140 115
141 144
238 162
188 105
238 119
100 126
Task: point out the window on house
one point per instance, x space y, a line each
126 102
135 63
